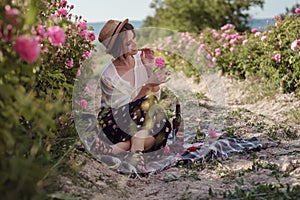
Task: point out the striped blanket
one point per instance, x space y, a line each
196 155
174 154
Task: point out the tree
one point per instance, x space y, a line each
196 15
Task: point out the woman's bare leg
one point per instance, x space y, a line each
121 147
102 147
141 141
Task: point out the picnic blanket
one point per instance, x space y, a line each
195 155
173 154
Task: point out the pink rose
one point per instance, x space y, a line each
277 17
41 31
228 37
87 88
297 10
211 65
82 25
86 54
208 56
61 12
214 59
257 34
254 30
245 42
27 48
56 35
160 62
69 63
202 46
233 41
90 36
9 12
232 49
83 104
295 45
277 57
263 38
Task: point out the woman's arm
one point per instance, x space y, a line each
146 90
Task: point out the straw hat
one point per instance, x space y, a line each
110 28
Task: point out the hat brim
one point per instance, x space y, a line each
114 37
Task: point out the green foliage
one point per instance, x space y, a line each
33 94
271 55
195 15
265 54
267 191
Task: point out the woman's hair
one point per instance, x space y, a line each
118 48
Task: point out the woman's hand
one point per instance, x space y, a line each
158 77
147 58
152 84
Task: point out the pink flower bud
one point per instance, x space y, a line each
83 104
220 72
78 72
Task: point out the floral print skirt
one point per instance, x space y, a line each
120 124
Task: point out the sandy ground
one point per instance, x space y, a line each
261 119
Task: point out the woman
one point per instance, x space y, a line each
130 118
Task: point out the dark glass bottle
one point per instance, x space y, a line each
178 124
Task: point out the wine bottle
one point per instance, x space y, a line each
178 124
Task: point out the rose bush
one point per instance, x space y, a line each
270 53
42 49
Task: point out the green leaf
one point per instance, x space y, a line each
32 12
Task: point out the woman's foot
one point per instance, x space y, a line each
100 147
138 161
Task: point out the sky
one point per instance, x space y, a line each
103 10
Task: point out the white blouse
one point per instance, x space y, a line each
116 91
